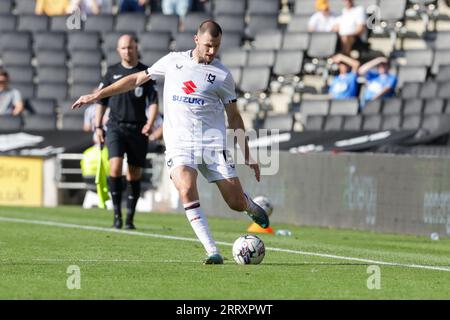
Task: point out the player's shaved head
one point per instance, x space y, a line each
210 27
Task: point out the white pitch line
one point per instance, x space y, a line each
161 236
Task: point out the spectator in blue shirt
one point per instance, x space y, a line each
344 85
379 83
132 5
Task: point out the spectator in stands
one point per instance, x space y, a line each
178 7
89 120
380 83
344 85
10 99
351 25
52 7
132 5
91 7
323 20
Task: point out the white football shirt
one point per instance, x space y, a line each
194 98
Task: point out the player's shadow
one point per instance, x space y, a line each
315 264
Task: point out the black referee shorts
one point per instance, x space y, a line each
127 138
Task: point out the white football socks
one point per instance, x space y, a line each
197 218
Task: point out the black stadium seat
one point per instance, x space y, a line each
72 122
288 63
91 75
59 23
372 107
55 40
236 72
392 106
51 58
232 40
261 58
154 40
406 73
161 22
193 20
52 74
283 122
52 91
11 58
411 122
39 122
184 41
7 22
33 23
25 6
263 7
131 22
334 123
391 122
100 23
231 23
43 106
83 40
15 40
6 6
151 56
428 90
316 107
352 123
372 122
298 23
443 73
234 57
434 106
255 79
232 7
27 89
10 123
261 22
412 106
86 58
443 90
295 41
322 44
78 90
268 40
21 74
314 123
410 90
305 7
346 107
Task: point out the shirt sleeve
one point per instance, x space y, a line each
17 97
152 97
104 83
159 68
371 74
227 92
392 82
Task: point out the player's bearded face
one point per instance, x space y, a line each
207 47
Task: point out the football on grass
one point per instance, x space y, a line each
248 249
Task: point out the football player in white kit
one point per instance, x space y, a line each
197 90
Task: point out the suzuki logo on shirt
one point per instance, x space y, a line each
189 87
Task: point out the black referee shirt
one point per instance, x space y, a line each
129 106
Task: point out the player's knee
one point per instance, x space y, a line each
186 193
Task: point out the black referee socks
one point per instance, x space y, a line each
134 191
116 186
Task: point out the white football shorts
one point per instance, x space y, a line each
214 165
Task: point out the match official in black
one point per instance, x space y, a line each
128 129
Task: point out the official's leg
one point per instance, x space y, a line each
185 180
133 191
116 187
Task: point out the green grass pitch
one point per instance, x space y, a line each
37 249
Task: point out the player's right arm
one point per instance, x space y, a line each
125 84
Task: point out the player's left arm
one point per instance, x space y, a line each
235 122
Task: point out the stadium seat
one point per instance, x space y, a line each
314 107
33 23
6 6
51 58
161 22
79 89
55 40
441 57
391 122
305 7
231 23
432 123
261 58
59 23
428 90
314 123
131 22
184 41
443 90
261 22
109 41
406 73
83 41
15 41
10 123
151 56
268 40
372 107
7 22
21 74
412 106
352 123
37 122
13 58
52 91
112 58
333 123
295 41
443 73
392 106
255 79
43 106
288 63
234 57
236 72
232 7
154 40
372 122
392 11
263 7
26 89
25 6
91 75
193 20
410 90
282 122
434 106
65 107
346 107
298 23
72 122
442 41
86 58
322 44
52 74
231 40
100 23
411 122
